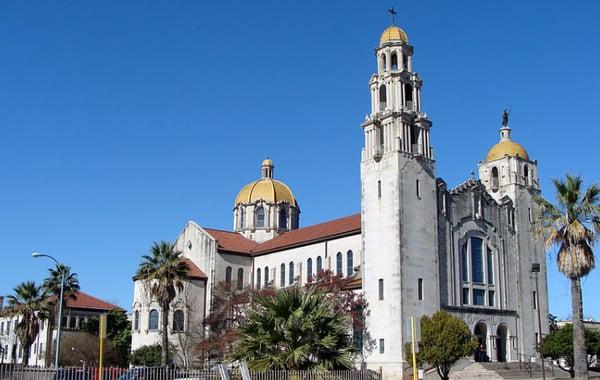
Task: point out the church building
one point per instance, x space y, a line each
417 246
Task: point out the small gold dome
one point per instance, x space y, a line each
266 189
267 162
507 148
393 33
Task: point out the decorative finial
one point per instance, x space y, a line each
393 14
505 113
472 175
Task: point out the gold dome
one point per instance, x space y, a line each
267 162
507 148
393 33
266 189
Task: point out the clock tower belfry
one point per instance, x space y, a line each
399 206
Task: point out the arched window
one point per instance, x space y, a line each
408 96
477 273
282 276
309 270
476 260
394 62
266 276
382 97
405 62
338 264
282 218
349 263
178 320
291 274
136 320
258 279
260 217
240 279
153 320
383 63
526 174
413 135
319 264
495 181
228 275
242 218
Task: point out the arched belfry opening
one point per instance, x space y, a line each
394 61
480 333
495 181
501 343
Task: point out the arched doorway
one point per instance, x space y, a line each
501 340
480 333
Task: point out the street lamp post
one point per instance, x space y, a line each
60 303
535 269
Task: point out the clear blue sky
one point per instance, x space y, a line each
121 120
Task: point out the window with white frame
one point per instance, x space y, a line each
477 273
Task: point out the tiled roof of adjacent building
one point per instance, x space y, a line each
82 300
235 242
193 271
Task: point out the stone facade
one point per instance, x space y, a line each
416 247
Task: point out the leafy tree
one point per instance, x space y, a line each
444 340
118 333
558 345
83 348
51 286
295 329
147 356
29 302
164 271
572 225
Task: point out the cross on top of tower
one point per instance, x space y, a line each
393 13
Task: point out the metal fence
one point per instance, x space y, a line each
159 373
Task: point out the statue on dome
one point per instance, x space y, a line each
505 113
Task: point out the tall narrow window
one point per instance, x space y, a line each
378 189
319 264
258 278
153 320
381 346
383 63
491 298
465 296
228 275
529 216
240 279
420 289
136 320
405 62
381 131
477 260
534 300
413 135
242 218
282 276
260 217
408 93
464 261
291 274
266 276
381 289
526 174
418 189
349 263
490 267
178 320
382 98
309 270
282 219
338 264
494 179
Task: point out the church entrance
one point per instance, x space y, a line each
501 338
480 333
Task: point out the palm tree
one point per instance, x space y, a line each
295 329
51 287
28 301
572 225
165 270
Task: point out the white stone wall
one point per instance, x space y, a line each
327 250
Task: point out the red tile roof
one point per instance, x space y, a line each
193 271
231 241
81 300
235 242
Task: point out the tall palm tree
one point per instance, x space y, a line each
28 301
295 329
572 225
165 270
51 287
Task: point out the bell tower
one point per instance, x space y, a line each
398 206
